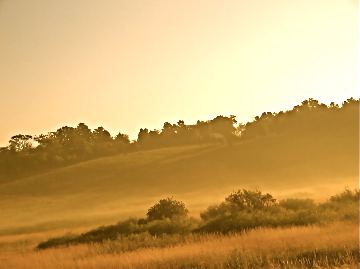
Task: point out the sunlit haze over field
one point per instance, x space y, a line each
126 65
179 134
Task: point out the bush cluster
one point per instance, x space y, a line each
242 210
166 217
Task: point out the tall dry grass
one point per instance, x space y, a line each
331 246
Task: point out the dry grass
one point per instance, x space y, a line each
25 243
330 246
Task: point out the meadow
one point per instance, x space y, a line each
81 197
108 189
333 245
304 235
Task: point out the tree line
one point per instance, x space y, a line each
26 154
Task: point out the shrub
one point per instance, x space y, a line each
167 208
57 241
214 211
342 206
240 201
246 200
111 232
297 204
176 225
347 196
243 221
241 211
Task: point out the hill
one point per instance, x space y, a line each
112 188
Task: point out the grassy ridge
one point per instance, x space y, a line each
115 187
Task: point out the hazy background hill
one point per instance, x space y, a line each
77 176
111 188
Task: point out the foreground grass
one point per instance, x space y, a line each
333 245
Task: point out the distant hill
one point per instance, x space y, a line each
124 185
310 151
310 126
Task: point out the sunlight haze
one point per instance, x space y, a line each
126 65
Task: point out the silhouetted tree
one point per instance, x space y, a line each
169 134
149 139
66 136
201 132
123 138
20 142
83 132
311 127
223 127
183 131
143 137
100 135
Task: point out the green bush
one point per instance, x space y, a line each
241 211
215 211
128 228
343 206
240 201
167 208
244 210
176 225
297 204
100 234
242 221
246 200
347 196
58 241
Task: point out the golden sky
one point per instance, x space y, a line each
131 64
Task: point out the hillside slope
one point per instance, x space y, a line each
127 184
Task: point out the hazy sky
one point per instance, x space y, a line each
127 64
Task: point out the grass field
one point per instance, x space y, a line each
333 245
112 188
80 197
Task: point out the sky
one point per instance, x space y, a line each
131 64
